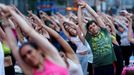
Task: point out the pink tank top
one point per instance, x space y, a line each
51 68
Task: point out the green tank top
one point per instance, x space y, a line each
6 49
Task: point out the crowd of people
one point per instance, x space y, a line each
86 43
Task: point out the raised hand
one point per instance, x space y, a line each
82 4
3 7
5 11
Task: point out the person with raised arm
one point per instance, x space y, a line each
101 44
67 53
40 57
75 35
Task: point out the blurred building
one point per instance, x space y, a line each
120 4
61 5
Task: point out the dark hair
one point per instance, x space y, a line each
60 48
65 23
89 23
32 44
116 27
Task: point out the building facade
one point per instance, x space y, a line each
60 5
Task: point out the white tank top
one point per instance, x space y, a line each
74 69
2 71
80 46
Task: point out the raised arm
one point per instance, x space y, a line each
38 26
111 24
63 29
13 45
37 20
45 16
80 21
2 34
43 43
130 32
109 21
94 14
79 32
66 47
18 31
